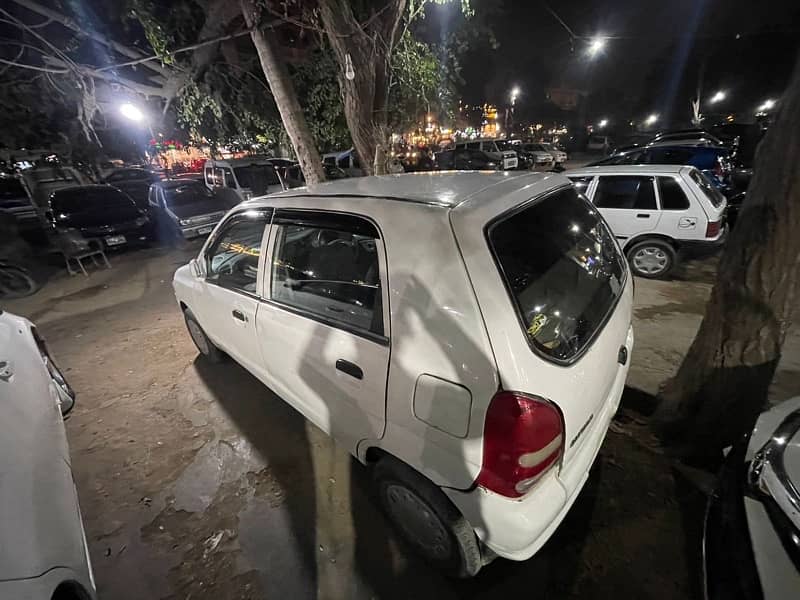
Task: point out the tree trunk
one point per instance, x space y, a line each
369 48
722 384
294 121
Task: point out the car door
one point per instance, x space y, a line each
628 204
323 326
226 296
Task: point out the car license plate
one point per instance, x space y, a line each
115 240
204 230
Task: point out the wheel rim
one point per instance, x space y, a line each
418 522
198 337
650 260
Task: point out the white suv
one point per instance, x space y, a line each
465 334
656 211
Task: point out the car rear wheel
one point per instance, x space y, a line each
200 339
652 259
426 519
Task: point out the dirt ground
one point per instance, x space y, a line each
198 482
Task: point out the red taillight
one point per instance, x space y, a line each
713 228
523 437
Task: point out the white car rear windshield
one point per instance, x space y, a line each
562 269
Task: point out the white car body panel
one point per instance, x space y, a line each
441 345
40 521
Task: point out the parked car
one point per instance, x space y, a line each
41 182
686 137
293 175
753 520
536 154
135 182
43 552
600 143
14 200
466 159
101 213
185 209
508 320
242 178
505 159
713 161
347 161
656 211
559 156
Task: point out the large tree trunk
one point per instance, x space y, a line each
722 384
369 47
294 121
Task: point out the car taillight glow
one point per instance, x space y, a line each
713 229
523 438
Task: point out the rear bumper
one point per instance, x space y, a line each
701 248
194 231
517 529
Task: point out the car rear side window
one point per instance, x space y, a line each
712 193
562 269
625 191
672 196
328 268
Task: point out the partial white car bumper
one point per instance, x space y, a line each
516 529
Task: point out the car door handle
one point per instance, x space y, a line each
237 314
345 366
642 216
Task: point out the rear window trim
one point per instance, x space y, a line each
487 231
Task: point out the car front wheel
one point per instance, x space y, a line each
652 259
200 339
426 519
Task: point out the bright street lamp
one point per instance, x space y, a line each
514 94
596 46
602 123
651 119
718 97
768 105
129 111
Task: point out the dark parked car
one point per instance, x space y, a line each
185 209
293 174
14 200
713 161
102 214
686 137
466 159
134 182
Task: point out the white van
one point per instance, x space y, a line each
656 211
478 386
246 177
506 158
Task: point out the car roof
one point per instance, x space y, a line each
93 186
173 183
247 160
447 189
629 169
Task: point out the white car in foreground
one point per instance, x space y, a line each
465 334
43 553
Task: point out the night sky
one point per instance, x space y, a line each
651 60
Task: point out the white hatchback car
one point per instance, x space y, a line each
466 334
43 553
656 211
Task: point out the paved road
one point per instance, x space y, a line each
198 482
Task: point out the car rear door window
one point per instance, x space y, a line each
712 193
562 269
625 191
327 267
671 194
232 259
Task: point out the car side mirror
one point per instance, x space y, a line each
196 268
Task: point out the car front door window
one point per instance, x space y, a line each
232 260
625 192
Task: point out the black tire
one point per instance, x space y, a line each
651 259
204 345
441 534
16 282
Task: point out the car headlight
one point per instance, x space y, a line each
184 222
491 165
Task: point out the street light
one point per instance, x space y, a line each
718 97
602 123
596 46
769 104
651 119
514 94
129 111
